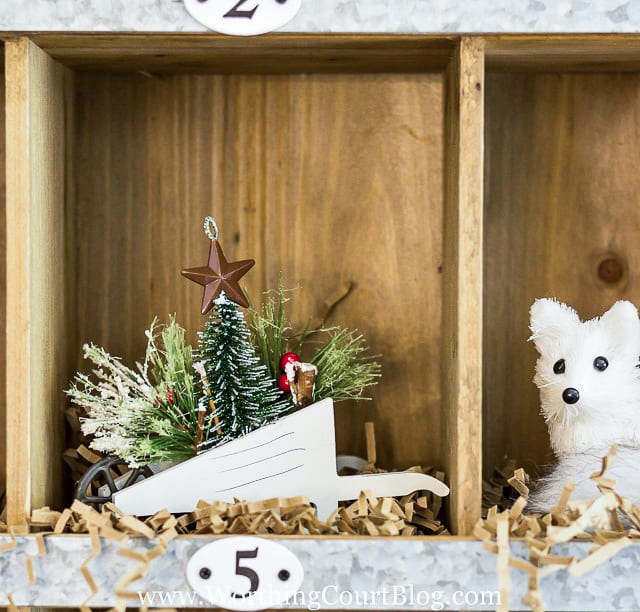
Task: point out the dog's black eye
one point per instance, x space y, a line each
600 363
205 573
558 366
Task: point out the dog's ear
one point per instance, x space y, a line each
550 319
622 325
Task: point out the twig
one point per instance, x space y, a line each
199 368
317 323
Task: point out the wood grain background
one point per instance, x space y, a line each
562 193
326 177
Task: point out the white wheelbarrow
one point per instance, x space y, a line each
292 457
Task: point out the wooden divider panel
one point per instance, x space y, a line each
462 296
37 101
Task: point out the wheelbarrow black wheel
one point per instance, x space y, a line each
101 475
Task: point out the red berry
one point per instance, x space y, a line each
283 383
288 358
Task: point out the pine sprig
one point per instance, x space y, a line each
271 331
345 369
171 361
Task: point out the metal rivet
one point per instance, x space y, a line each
205 573
284 575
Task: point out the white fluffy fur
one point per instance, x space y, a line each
608 411
578 468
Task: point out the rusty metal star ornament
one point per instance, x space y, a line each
218 276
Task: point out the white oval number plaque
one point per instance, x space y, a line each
243 17
245 573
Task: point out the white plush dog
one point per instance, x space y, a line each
589 384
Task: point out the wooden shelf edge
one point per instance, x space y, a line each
272 53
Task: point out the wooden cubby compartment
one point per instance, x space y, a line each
561 196
331 158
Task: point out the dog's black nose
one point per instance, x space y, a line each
570 395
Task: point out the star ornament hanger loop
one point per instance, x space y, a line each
218 276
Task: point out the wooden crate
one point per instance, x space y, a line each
332 158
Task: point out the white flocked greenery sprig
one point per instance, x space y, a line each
116 400
142 415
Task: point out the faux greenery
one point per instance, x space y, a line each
175 415
168 408
272 332
270 329
345 367
143 415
